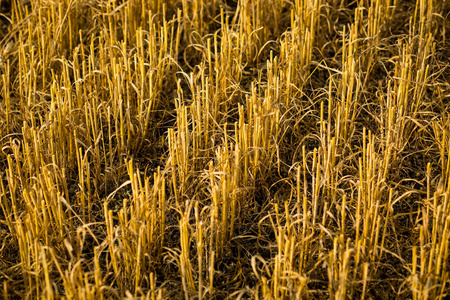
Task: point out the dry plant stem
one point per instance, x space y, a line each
224 149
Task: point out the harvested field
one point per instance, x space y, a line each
225 149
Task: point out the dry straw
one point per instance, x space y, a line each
224 149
